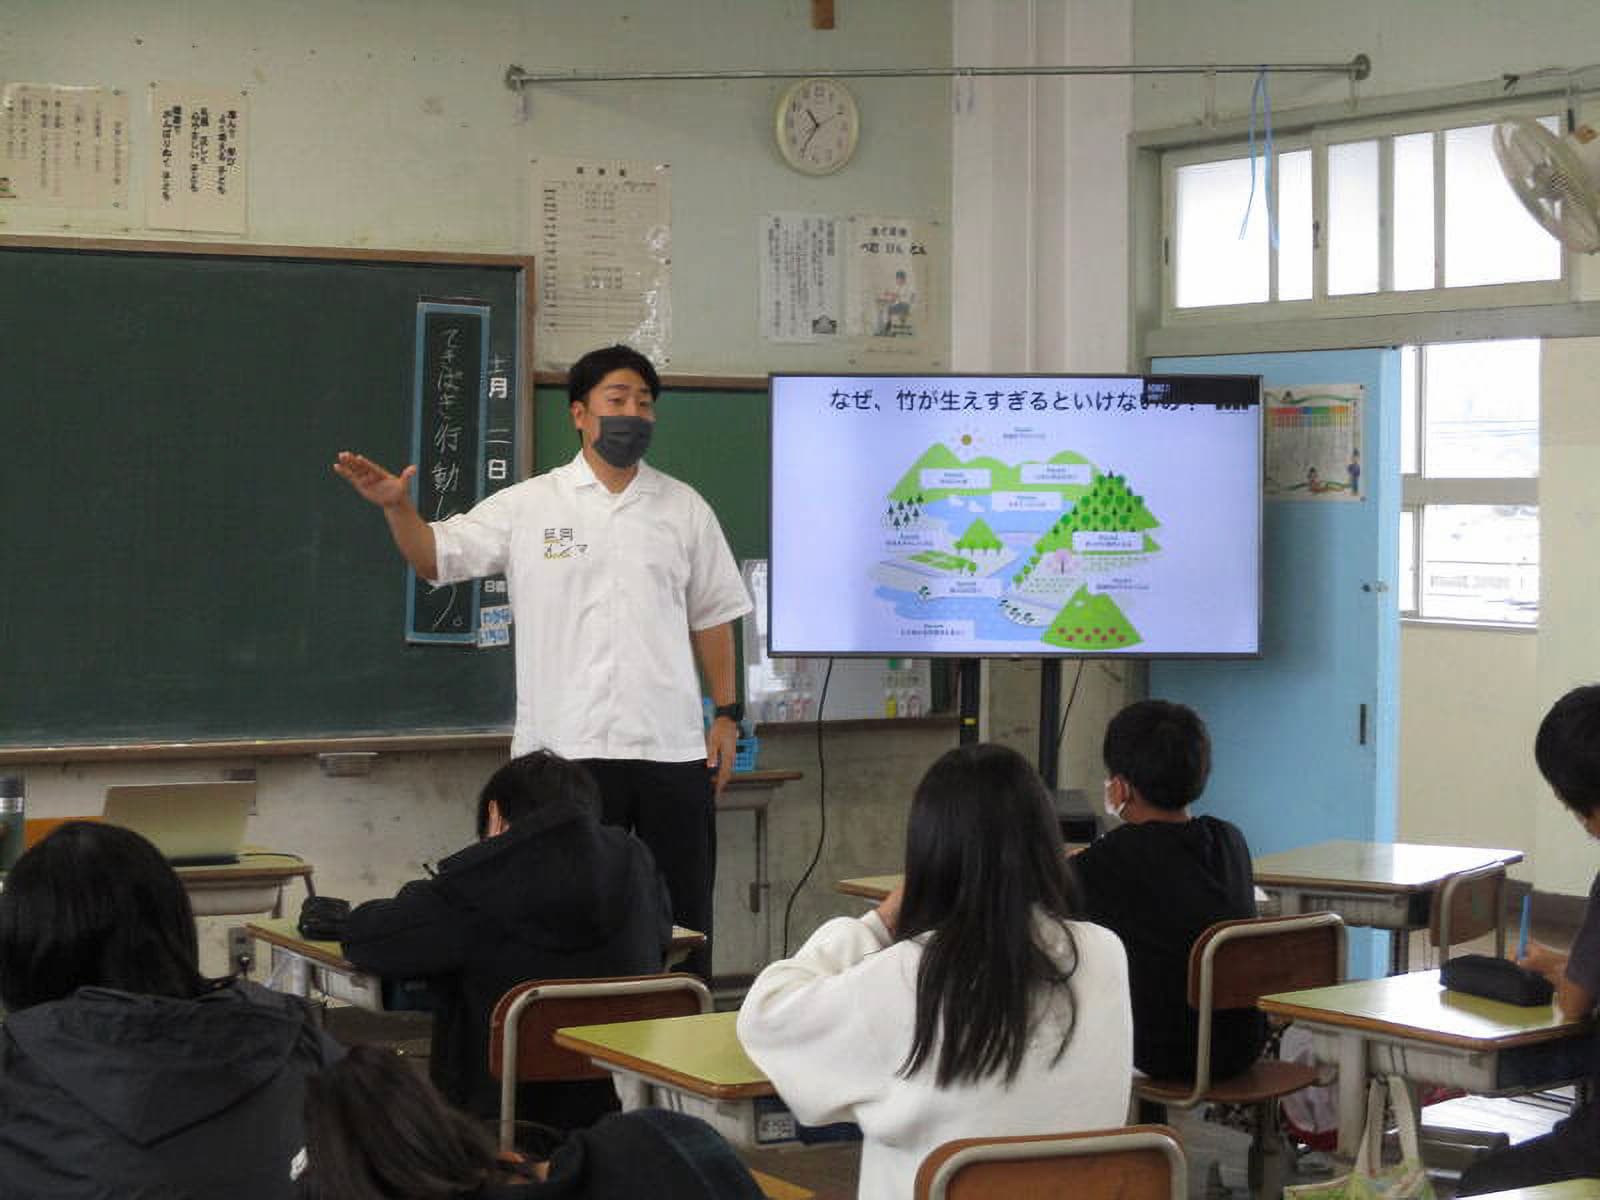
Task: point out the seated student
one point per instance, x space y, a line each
375 1130
546 893
1160 879
124 1072
969 1003
1567 749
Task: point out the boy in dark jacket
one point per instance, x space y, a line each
546 893
1160 879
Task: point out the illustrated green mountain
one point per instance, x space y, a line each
979 537
1003 477
1109 506
1088 622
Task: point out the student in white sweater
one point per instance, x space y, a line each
968 1003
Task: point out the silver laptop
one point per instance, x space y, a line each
190 823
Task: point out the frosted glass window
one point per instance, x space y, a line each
1488 236
1213 265
1408 560
1413 212
1352 218
1482 413
1480 562
1408 410
1294 225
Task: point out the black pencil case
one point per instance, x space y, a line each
1495 979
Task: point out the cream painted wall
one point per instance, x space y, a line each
1468 712
1414 46
1569 583
386 123
1040 247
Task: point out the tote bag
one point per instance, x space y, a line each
1368 1179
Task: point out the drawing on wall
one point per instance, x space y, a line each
64 147
889 282
604 232
1313 442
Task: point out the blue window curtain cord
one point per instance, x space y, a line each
1261 108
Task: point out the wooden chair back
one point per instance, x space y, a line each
541 1006
1258 956
36 829
1136 1162
1468 905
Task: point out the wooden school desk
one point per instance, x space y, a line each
688 1064
254 884
1408 1025
1380 885
1567 1189
306 968
869 887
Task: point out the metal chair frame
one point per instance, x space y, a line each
516 1001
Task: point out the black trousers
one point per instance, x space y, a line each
671 808
1569 1151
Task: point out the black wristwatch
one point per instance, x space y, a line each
734 712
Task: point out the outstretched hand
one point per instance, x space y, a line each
372 482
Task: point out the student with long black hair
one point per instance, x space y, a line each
969 1003
376 1130
123 1070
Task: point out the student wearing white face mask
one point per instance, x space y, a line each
1161 878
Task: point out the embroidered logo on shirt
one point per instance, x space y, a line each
558 543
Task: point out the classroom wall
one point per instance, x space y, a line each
1041 278
1569 582
1470 699
387 124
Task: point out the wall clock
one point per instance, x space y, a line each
817 125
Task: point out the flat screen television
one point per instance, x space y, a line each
1015 516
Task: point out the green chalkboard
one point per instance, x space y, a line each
181 564
717 441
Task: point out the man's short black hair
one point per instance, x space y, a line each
597 364
1162 749
1567 749
534 781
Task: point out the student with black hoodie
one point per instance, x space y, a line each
546 893
124 1072
1161 878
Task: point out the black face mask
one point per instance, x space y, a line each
623 440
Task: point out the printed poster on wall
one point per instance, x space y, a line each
63 147
604 232
802 289
196 164
1313 442
888 282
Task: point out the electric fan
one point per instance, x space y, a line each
1556 178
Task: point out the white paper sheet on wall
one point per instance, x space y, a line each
802 293
197 163
603 228
64 146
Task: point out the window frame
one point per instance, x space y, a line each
1419 491
1318 138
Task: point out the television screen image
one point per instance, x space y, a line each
999 516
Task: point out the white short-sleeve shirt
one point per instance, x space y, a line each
605 589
